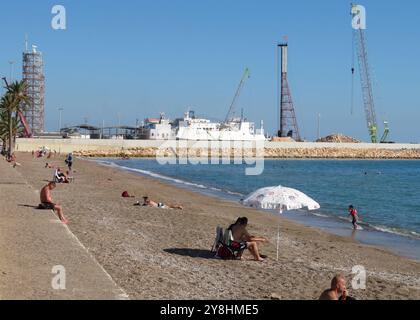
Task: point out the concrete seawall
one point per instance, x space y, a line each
149 148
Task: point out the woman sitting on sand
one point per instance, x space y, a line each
150 203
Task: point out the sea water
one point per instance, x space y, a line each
385 193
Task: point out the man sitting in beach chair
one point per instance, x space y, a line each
150 203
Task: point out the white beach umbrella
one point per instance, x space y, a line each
281 199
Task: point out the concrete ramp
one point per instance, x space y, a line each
40 258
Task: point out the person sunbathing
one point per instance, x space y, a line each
241 235
150 203
47 202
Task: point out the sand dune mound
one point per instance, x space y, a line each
338 138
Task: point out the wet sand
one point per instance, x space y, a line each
165 254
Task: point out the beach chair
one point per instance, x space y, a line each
224 247
217 240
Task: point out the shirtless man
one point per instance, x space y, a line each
338 290
48 204
150 203
241 235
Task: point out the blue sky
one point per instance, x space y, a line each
137 58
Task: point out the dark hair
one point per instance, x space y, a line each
351 206
243 221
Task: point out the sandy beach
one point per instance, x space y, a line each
165 254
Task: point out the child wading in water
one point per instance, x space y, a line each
355 216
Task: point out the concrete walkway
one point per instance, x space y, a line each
33 242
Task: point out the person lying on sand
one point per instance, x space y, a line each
338 290
48 204
150 203
241 235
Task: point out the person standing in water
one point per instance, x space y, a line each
355 216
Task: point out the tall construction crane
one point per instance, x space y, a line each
231 114
359 45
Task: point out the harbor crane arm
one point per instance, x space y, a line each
359 45
231 114
26 129
365 79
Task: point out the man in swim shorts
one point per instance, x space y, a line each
48 204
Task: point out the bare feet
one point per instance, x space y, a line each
65 221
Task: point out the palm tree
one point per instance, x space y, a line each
11 104
4 128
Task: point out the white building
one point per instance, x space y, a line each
157 129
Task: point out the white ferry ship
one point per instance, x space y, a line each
199 129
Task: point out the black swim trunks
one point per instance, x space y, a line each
46 206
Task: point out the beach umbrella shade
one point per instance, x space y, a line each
280 199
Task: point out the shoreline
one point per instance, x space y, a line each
164 254
391 240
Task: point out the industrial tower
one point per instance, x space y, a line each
33 75
288 122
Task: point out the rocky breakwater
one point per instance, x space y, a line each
274 153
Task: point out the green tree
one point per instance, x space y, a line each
11 104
